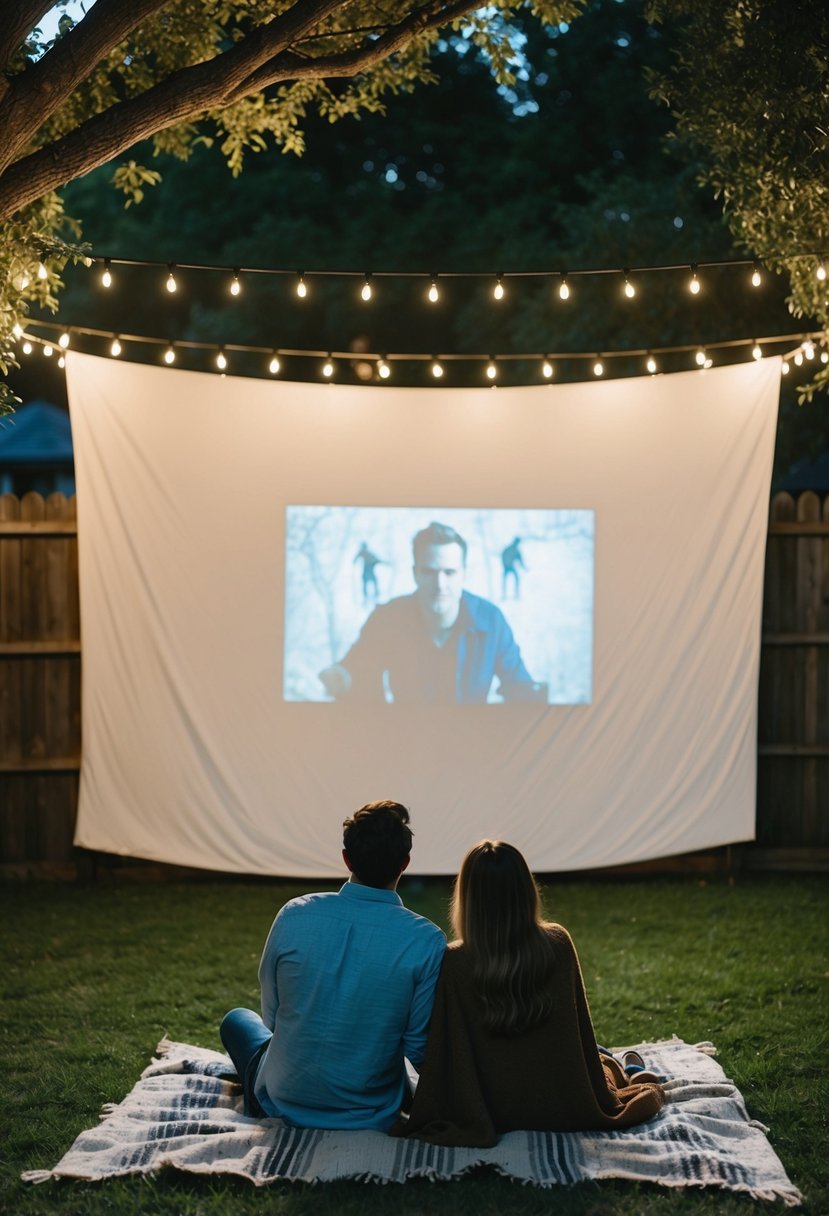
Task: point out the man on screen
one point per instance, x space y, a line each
439 644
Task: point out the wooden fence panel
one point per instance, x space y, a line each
40 682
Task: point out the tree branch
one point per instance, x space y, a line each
37 92
20 22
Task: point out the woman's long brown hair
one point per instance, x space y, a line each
496 913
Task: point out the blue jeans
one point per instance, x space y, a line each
245 1037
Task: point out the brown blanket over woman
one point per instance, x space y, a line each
475 1084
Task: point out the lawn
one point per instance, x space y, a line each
94 976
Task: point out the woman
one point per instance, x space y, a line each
511 1044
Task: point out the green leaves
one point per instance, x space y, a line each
131 178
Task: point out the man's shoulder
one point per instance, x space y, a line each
315 901
393 609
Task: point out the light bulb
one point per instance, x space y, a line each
756 351
824 356
498 289
784 368
169 355
274 365
798 358
546 369
221 361
106 274
700 358
17 330
383 369
708 363
821 271
630 290
115 348
694 283
809 350
651 365
366 290
756 277
598 368
437 370
491 370
235 285
328 368
61 361
48 351
172 285
563 288
42 272
301 286
434 294
24 281
26 348
63 340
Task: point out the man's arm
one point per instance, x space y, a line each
267 973
414 1036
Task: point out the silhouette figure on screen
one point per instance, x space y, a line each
511 559
370 561
439 644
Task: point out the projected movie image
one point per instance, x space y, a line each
431 605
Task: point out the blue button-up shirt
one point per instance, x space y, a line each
348 980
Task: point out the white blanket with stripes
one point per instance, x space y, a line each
186 1111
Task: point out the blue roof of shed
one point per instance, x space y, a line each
36 433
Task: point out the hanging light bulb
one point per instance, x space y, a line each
17 330
274 365
106 274
491 369
366 292
221 360
63 340
564 288
26 348
328 368
115 348
61 361
693 282
630 290
598 367
821 271
547 369
42 272
798 358
809 350
383 369
498 289
824 356
756 351
784 367
651 365
756 276
436 369
433 293
172 285
48 350
169 355
699 357
709 362
235 284
301 285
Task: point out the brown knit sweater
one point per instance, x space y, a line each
474 1084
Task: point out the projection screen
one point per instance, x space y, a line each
568 660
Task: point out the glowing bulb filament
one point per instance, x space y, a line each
546 369
172 285
498 289
821 272
757 351
328 368
274 365
48 351
301 287
756 277
598 368
434 294
491 370
63 340
694 283
106 275
169 355
366 290
564 289
383 369
700 358
651 365
437 370
115 348
235 285
26 348
630 290
221 361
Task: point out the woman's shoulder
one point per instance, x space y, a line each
558 936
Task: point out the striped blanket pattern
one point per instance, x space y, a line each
186 1112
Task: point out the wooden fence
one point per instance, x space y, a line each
40 688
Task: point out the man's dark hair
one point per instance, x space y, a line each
437 534
378 839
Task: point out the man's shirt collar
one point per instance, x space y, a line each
356 890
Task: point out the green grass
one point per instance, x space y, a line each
94 976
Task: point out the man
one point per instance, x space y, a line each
370 561
511 559
348 980
439 644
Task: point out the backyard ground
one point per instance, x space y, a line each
94 976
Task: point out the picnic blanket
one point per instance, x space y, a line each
186 1111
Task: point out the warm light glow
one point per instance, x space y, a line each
547 369
437 370
756 351
115 348
48 351
17 330
26 348
63 340
172 285
301 287
498 289
630 290
756 277
598 368
221 361
274 365
651 365
106 275
708 363
328 368
61 361
235 285
824 356
809 350
366 291
24 282
383 369
784 368
434 294
169 355
42 272
821 271
694 283
798 358
700 358
491 370
564 289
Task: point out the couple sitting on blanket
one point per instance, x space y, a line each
498 1024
